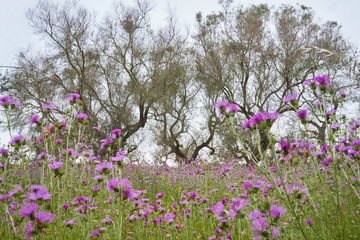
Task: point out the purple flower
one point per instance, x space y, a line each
29 210
105 142
95 233
309 221
302 114
55 165
95 188
30 227
81 116
335 126
159 195
261 117
104 167
96 128
259 225
38 192
4 152
342 94
17 140
219 209
126 189
169 217
119 157
327 113
237 204
276 211
233 108
221 106
44 217
255 214
112 184
73 97
115 133
71 221
58 141
48 106
6 101
285 146
34 119
291 97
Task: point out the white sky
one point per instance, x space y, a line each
17 35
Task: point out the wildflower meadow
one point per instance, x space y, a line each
64 187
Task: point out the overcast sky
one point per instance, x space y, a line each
17 35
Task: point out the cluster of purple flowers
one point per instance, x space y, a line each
6 101
262 119
224 107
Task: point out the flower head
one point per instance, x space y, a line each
276 211
81 116
115 133
105 142
38 192
44 217
34 119
17 140
169 217
55 165
221 106
48 106
95 233
285 146
309 221
29 210
73 97
261 118
302 114
291 97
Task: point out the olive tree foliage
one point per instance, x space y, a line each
255 56
117 66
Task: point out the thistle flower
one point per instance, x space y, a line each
29 210
309 221
238 204
55 165
302 114
259 225
112 184
169 217
95 233
73 97
104 167
263 119
221 106
105 142
18 140
291 97
81 116
219 209
30 227
48 106
44 217
6 102
4 152
285 146
115 133
276 211
38 192
34 119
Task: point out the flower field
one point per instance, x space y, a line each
64 187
